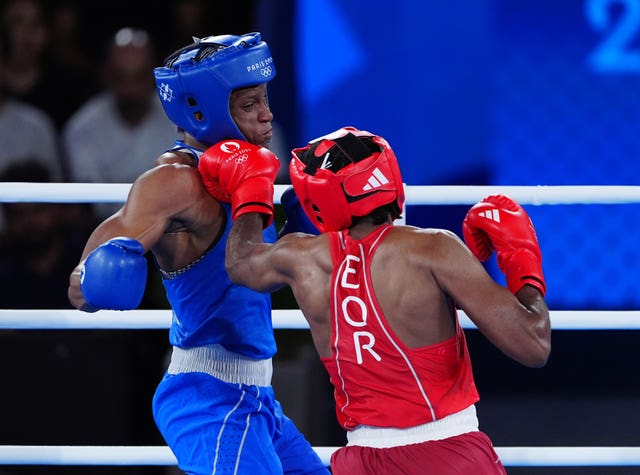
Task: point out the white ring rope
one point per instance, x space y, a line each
12 192
282 319
162 455
293 319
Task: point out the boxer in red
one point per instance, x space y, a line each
381 301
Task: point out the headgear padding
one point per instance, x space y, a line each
344 174
196 82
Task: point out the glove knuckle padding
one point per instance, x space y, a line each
114 275
476 234
208 166
241 173
499 223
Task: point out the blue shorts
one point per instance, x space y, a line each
219 428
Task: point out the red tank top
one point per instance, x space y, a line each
377 380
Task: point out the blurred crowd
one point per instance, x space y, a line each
78 104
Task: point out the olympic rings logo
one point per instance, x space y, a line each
266 72
241 159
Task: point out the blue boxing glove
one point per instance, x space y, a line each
114 275
297 220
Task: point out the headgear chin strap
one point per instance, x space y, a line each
196 81
344 174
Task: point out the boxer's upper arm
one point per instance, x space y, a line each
154 199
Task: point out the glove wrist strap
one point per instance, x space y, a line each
254 196
524 267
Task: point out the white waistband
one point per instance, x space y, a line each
383 437
222 364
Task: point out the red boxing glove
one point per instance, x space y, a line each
499 223
240 173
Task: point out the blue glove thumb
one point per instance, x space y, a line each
297 220
114 275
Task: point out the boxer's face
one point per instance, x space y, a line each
250 110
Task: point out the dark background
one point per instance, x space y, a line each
478 92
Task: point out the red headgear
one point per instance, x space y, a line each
347 173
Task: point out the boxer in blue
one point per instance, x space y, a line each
215 406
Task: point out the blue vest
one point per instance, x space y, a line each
209 309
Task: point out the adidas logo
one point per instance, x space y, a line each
376 180
492 214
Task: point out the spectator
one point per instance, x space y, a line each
20 122
69 48
32 74
111 137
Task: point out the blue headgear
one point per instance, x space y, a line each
196 81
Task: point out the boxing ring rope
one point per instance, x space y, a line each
293 319
13 192
157 455
69 319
